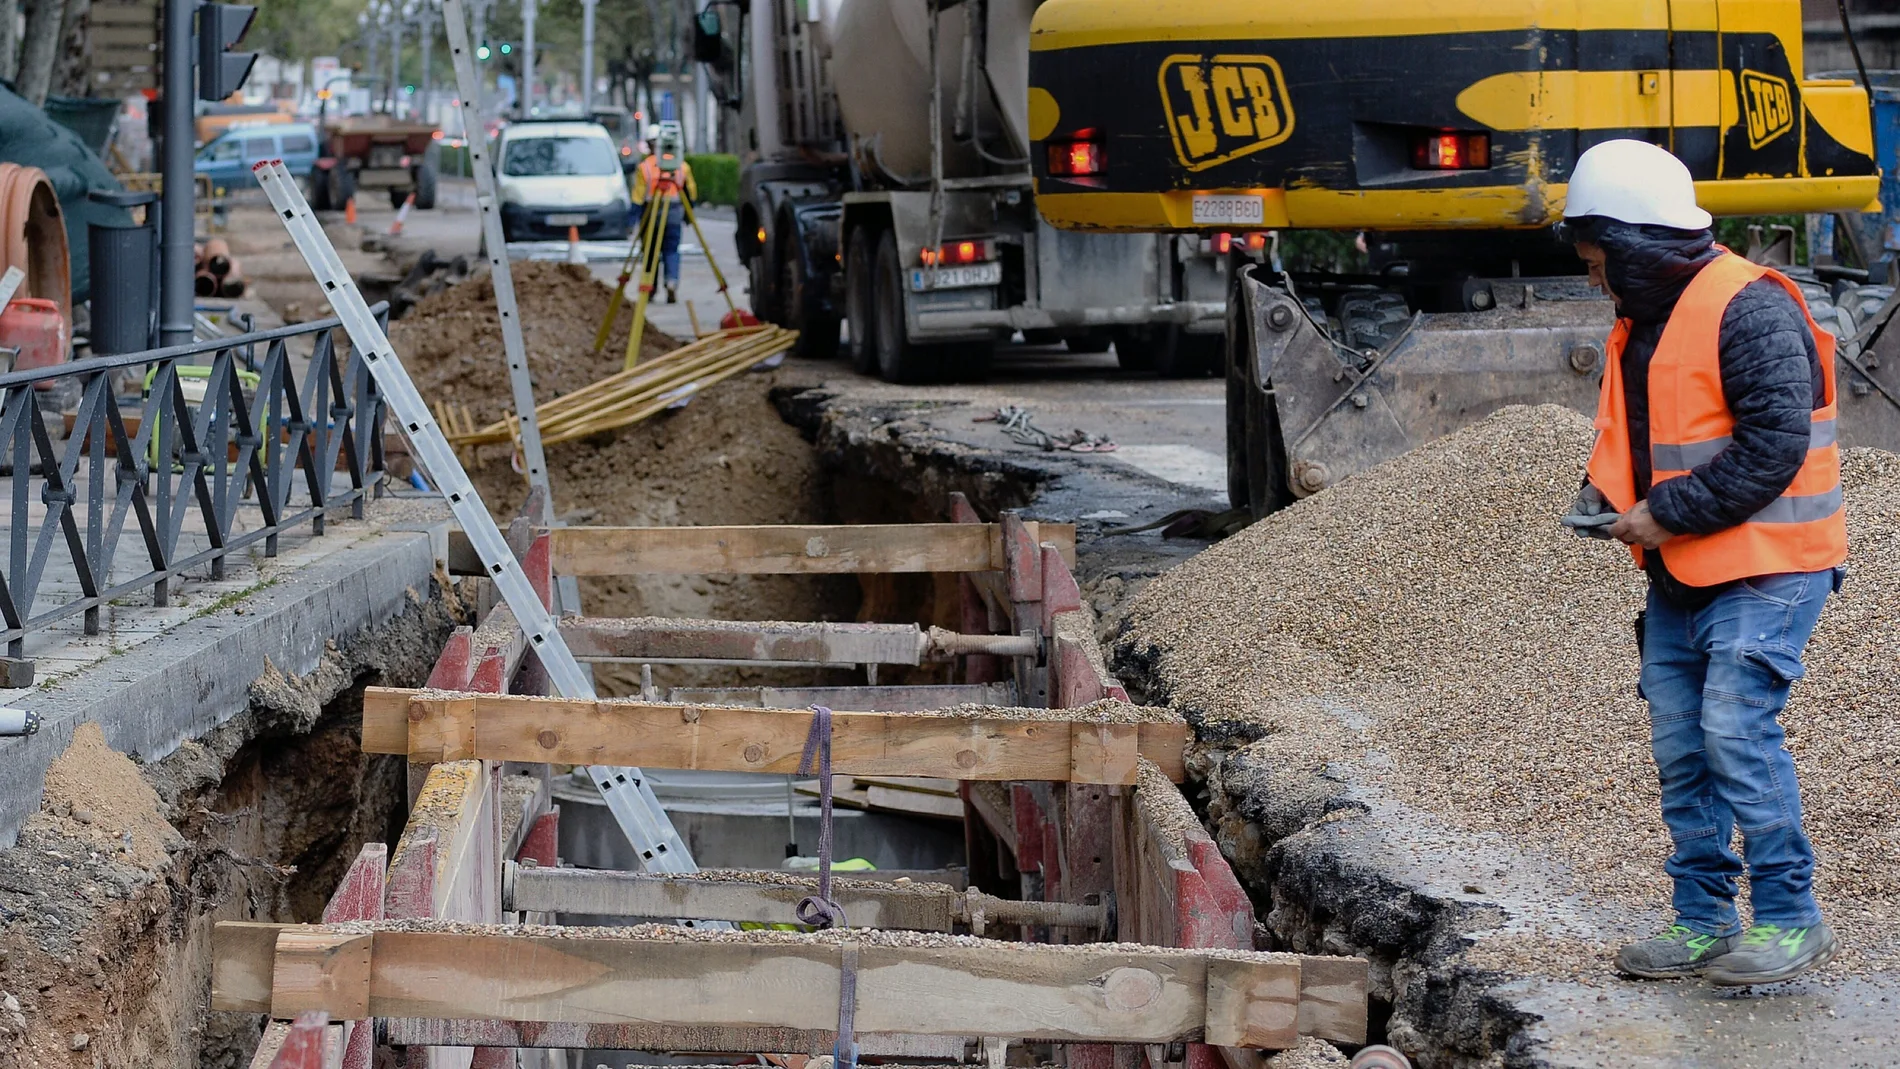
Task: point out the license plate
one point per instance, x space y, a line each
568 219
950 278
1222 209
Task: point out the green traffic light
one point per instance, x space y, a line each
481 51
506 48
409 89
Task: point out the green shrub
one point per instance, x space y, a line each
718 177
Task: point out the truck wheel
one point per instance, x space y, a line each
319 186
1372 320
396 197
425 186
817 331
898 358
342 186
860 301
1134 348
1256 453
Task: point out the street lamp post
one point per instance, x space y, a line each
428 16
587 56
527 58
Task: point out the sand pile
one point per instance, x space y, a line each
1433 611
451 342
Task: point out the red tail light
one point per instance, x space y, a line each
1451 152
1081 155
952 253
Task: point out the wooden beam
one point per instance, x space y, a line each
661 639
1084 992
317 969
1010 745
881 699
902 547
772 899
1251 1007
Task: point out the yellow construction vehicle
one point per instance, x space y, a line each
1442 131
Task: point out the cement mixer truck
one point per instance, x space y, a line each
887 184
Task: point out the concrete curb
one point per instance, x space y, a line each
182 684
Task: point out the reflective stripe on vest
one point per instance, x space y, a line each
1804 529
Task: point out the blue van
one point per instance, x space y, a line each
228 159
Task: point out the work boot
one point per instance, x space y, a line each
1769 954
1679 951
672 293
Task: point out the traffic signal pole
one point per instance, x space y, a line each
178 191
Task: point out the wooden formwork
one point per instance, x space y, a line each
1100 827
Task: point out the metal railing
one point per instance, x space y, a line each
236 437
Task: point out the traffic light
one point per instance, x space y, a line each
507 49
482 51
222 72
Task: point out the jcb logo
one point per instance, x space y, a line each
1768 105
1222 108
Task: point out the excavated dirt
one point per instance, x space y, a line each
108 898
451 342
726 458
1429 624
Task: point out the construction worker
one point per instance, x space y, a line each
665 176
1716 462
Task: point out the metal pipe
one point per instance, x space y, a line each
179 184
527 57
428 57
944 643
587 56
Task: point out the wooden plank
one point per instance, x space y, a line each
321 970
746 1041
1252 1005
882 699
1103 753
1333 998
923 784
866 903
898 800
1033 746
662 639
906 547
1087 992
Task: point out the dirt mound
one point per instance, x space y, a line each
1432 615
99 790
451 342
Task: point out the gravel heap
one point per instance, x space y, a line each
1434 612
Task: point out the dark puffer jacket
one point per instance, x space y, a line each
1771 380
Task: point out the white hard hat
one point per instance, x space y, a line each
1634 182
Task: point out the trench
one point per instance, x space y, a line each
272 807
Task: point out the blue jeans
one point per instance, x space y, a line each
1716 680
669 241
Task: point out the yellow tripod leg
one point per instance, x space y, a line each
649 277
634 249
707 249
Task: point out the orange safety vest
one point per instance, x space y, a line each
658 181
1803 530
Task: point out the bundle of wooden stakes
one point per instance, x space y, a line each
637 393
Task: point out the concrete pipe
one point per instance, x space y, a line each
33 236
217 257
204 284
231 286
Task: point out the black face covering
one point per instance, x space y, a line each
1648 267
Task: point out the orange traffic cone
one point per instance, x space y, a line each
349 211
574 253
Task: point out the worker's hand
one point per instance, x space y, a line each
1591 516
1638 528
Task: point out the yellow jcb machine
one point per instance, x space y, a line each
1439 134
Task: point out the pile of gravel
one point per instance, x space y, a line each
1430 621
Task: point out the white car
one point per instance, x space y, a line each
555 175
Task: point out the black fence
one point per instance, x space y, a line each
223 427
